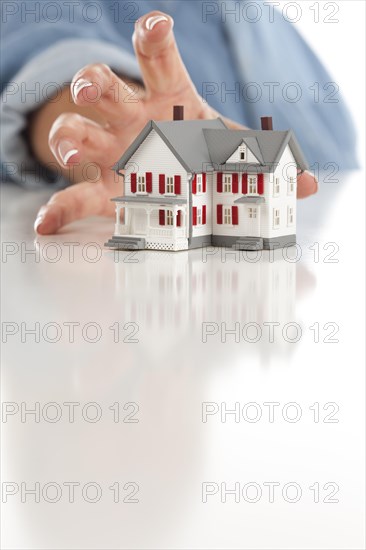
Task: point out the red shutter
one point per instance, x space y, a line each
161 217
219 182
179 220
219 213
260 184
204 214
235 183
149 182
133 182
177 185
204 183
244 184
235 215
194 215
194 184
161 184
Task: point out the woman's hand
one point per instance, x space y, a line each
121 113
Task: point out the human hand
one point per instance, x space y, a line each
76 140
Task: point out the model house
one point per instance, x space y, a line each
190 183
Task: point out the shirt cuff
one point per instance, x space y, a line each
33 85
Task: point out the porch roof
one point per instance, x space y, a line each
151 200
253 200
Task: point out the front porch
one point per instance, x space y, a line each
158 225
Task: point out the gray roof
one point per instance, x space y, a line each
202 145
183 137
271 144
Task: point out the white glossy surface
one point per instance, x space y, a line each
170 372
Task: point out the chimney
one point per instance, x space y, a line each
178 112
266 123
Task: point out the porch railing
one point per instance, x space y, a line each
179 232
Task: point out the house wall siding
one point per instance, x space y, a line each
154 156
285 169
198 200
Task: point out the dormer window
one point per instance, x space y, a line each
252 185
242 152
227 183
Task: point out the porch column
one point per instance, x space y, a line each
118 222
175 223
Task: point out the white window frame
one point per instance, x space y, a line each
169 219
227 215
252 213
169 185
242 151
141 184
276 218
276 186
199 182
290 215
199 215
227 183
252 184
291 185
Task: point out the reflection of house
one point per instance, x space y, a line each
195 182
163 293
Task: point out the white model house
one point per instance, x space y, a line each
190 183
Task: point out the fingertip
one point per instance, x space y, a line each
48 221
80 89
154 26
307 185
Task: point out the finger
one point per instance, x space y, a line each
307 185
74 139
97 85
74 203
163 70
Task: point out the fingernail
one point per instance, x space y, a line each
66 150
80 85
154 20
38 222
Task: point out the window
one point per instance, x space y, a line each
227 183
141 184
252 213
169 185
290 215
199 215
199 183
291 185
169 217
227 215
276 217
276 186
252 185
242 152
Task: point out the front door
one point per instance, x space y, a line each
253 221
138 221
